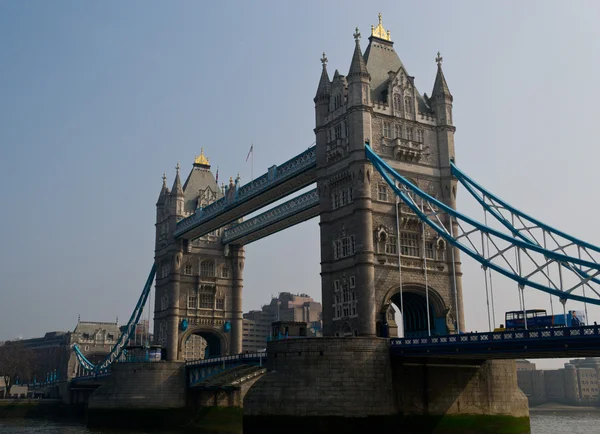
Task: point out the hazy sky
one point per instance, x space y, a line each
98 99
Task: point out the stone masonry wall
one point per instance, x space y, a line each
488 388
158 385
349 377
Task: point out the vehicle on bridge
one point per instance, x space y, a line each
538 318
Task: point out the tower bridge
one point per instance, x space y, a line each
391 237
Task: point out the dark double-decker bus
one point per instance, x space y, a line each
538 318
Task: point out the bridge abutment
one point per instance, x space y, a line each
353 385
139 395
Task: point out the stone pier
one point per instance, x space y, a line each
351 385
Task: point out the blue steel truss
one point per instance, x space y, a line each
279 213
276 175
528 228
531 264
117 349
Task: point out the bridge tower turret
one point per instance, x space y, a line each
197 309
363 228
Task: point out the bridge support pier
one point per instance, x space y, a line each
352 385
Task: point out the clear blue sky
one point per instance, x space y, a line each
98 99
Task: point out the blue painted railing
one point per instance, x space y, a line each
474 340
245 357
274 176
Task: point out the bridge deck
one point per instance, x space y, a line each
286 215
512 344
277 183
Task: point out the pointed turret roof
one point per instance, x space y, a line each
200 184
324 88
440 87
381 58
358 67
163 191
177 191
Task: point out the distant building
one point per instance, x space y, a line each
286 307
575 384
53 353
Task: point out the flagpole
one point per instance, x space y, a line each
252 163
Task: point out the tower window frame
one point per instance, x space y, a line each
387 129
207 268
382 193
409 244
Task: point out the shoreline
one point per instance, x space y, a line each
556 407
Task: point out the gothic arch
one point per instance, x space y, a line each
415 307
216 339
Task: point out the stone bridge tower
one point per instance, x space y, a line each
377 102
198 300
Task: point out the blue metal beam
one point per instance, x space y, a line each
388 172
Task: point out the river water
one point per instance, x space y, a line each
546 422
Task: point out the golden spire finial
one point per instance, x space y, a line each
201 159
380 32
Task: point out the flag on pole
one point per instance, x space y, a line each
250 151
217 177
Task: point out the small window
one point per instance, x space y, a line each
207 269
338 131
345 247
344 197
429 250
409 132
336 285
387 129
346 129
391 245
409 244
336 200
398 131
408 105
220 303
224 271
192 301
382 193
352 282
188 269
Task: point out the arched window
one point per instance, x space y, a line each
407 105
188 269
441 249
164 302
224 272
397 101
207 269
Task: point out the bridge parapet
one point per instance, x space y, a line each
534 343
199 370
